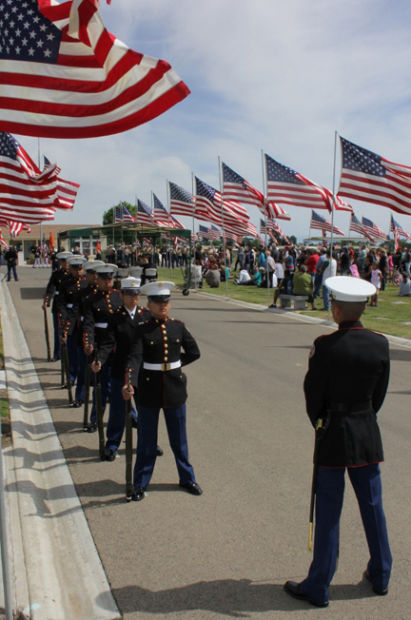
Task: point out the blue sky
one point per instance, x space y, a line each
264 74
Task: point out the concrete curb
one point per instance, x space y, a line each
294 315
55 568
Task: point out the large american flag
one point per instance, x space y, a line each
355 225
372 230
210 206
319 222
181 201
285 185
371 178
396 227
63 75
144 214
26 194
161 215
122 214
66 190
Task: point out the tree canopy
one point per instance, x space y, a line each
108 216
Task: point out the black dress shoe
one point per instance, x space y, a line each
76 404
378 591
138 494
109 455
91 428
159 451
191 487
293 589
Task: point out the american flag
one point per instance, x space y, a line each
161 215
236 188
287 186
210 206
26 194
355 225
369 177
66 190
396 227
319 222
63 75
211 232
181 201
144 214
372 230
122 214
280 233
176 223
3 241
277 211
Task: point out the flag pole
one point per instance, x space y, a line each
222 223
266 222
332 212
169 208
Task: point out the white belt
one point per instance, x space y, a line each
163 367
69 305
101 325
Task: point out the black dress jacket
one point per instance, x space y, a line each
116 342
161 342
345 385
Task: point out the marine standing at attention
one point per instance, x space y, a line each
345 387
154 369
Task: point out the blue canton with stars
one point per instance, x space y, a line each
25 34
280 173
203 189
229 176
8 146
178 193
357 158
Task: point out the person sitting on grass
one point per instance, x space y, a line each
303 284
256 279
405 285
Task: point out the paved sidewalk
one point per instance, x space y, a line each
56 572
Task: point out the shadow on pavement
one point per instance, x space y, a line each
225 597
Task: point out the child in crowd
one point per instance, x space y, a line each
376 279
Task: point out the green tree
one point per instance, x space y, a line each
108 216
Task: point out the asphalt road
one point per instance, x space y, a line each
228 552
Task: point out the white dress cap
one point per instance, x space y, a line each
76 260
64 255
345 288
92 265
107 268
131 283
157 289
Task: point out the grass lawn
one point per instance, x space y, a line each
391 316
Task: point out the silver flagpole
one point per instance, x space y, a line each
332 214
169 208
222 222
266 223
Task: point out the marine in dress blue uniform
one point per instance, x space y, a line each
68 305
154 372
345 387
52 293
97 314
123 326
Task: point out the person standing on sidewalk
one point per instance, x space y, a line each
12 259
345 387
